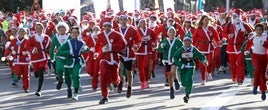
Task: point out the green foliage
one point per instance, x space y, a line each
16 5
247 4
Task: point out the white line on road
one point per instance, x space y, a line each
223 98
8 98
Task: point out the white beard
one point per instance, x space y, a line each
84 27
236 21
136 19
152 24
29 24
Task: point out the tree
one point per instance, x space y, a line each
147 4
247 4
16 5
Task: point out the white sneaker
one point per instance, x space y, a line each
203 82
75 97
209 76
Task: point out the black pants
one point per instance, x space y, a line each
224 56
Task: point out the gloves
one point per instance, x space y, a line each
106 49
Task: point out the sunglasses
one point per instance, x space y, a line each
107 26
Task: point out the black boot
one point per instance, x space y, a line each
153 74
120 86
177 85
103 100
128 92
40 81
172 94
36 74
186 98
69 92
60 81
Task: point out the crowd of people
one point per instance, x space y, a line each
112 47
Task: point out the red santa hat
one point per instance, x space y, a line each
62 24
170 17
153 14
123 14
43 19
38 23
238 12
65 18
72 18
169 10
22 14
107 21
222 10
141 20
109 11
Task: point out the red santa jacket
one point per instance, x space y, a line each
191 29
42 46
178 28
203 39
86 33
148 41
219 29
91 44
50 29
116 43
17 49
235 43
132 38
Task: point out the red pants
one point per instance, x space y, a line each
237 66
206 69
93 70
260 63
23 70
216 58
108 74
38 65
143 67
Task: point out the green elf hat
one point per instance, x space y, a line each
263 20
188 36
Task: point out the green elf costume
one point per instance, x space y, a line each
184 59
57 41
249 65
72 51
168 47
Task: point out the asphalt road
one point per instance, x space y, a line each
218 94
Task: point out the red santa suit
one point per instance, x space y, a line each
217 49
236 58
143 54
108 46
259 45
92 66
21 60
203 39
41 44
50 29
154 56
253 22
132 38
179 30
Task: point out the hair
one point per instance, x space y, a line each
260 25
75 27
200 22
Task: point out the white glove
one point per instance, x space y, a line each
34 50
95 56
246 52
106 48
135 47
92 49
13 52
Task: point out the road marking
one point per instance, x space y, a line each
8 98
224 97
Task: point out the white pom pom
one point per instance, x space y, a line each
87 33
